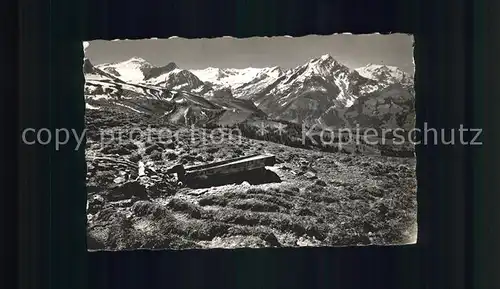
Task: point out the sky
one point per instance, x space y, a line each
352 50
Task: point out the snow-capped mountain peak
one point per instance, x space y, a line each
300 94
135 62
210 74
325 59
132 70
138 60
385 73
324 65
235 77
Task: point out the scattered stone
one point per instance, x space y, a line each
298 173
156 178
279 160
403 168
198 192
119 180
141 169
310 175
393 176
125 203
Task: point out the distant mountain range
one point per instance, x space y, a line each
321 91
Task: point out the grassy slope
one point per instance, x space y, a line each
323 198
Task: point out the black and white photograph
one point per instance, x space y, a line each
261 142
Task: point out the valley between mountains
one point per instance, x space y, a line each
318 194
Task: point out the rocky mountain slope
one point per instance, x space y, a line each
319 91
164 99
386 74
132 70
389 108
243 82
305 93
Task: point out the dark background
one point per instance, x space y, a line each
450 90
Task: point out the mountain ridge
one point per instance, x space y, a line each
308 93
